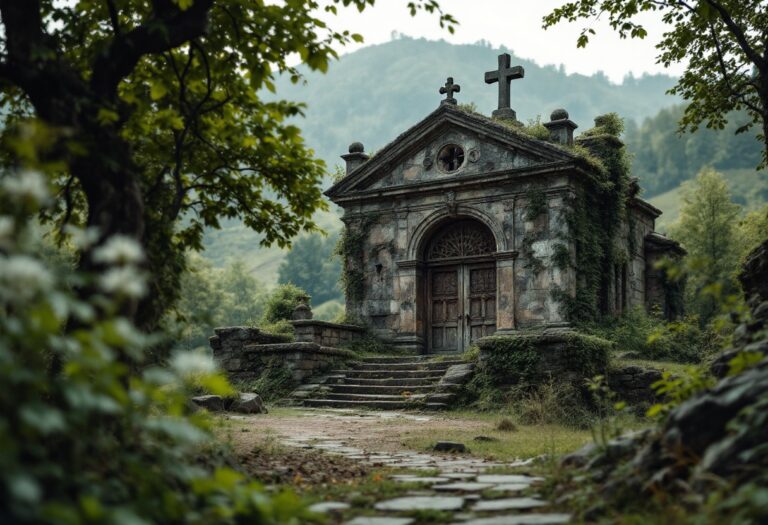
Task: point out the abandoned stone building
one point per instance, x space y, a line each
466 226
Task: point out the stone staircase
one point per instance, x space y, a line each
388 382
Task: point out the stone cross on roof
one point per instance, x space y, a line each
449 89
504 76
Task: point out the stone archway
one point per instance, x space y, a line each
460 274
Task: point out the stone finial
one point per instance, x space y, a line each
302 311
449 89
504 75
356 156
561 127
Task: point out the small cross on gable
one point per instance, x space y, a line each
449 89
504 76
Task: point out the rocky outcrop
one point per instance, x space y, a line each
714 439
244 403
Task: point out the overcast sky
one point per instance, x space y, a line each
517 25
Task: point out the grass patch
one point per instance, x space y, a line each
525 442
664 366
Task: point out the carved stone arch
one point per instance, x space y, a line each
424 232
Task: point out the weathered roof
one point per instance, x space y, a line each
661 243
449 114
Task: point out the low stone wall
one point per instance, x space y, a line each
633 384
535 356
232 339
300 359
325 333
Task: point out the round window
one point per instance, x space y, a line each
450 158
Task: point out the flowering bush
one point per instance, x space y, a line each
84 437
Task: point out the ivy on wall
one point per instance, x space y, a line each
351 249
595 216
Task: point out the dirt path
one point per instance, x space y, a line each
322 451
371 431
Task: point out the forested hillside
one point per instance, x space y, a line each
378 92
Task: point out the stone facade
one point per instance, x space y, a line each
456 167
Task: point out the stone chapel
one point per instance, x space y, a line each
459 229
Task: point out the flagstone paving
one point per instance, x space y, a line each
463 490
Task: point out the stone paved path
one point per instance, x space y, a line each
469 489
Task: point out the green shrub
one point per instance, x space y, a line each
281 303
650 337
86 435
281 327
516 359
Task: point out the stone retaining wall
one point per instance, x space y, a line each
633 384
246 354
326 334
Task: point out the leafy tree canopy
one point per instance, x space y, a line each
149 111
312 266
722 42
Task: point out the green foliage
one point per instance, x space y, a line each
674 389
310 265
160 126
281 303
513 359
664 158
350 249
719 42
84 437
707 229
212 297
274 383
536 204
651 337
596 213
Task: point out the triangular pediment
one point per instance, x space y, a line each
417 156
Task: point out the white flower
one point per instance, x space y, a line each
192 363
119 249
82 238
125 281
22 277
27 185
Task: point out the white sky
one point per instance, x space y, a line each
517 25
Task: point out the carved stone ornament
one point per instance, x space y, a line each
428 162
473 155
462 239
450 203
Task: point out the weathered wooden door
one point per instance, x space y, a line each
446 313
480 303
463 306
462 286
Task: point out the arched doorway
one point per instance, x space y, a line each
461 285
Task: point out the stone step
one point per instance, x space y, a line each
383 374
384 405
381 389
423 365
395 359
392 381
373 397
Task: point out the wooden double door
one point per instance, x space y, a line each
462 305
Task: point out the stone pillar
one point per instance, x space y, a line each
561 127
356 157
406 294
505 295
